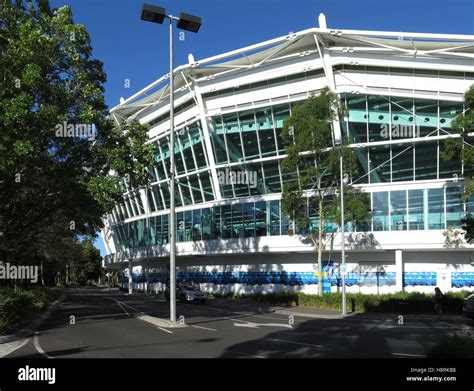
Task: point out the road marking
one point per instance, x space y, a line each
129 306
38 347
162 329
9 347
296 343
251 325
204 328
99 316
408 354
257 325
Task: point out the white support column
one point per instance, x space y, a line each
207 141
399 270
325 56
144 199
130 280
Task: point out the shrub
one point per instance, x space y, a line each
18 308
401 302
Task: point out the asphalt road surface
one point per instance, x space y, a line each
97 323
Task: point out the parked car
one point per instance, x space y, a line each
468 306
186 293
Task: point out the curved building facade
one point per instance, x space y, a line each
402 92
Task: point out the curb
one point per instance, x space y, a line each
310 315
35 324
374 316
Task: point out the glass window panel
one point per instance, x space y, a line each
426 119
272 182
186 140
206 224
402 162
226 221
188 226
357 116
196 189
248 213
218 140
360 176
426 160
196 140
402 111
380 163
470 205
380 211
274 216
234 145
249 134
266 133
447 112
454 207
261 218
435 208
398 210
165 228
448 168
180 227
286 224
158 230
237 226
216 223
185 190
207 186
197 225
280 113
166 194
416 210
378 115
178 157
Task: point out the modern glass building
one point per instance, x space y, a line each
401 90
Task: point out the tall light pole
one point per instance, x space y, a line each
343 243
154 14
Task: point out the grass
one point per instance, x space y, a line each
401 302
18 308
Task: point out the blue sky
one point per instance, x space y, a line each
138 51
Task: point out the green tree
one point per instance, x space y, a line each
312 164
49 79
461 149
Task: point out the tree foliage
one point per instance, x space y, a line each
312 166
55 188
462 149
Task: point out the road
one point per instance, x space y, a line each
97 323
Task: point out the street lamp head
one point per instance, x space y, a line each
152 13
189 22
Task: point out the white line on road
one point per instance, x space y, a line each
204 328
257 325
162 329
10 347
38 347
